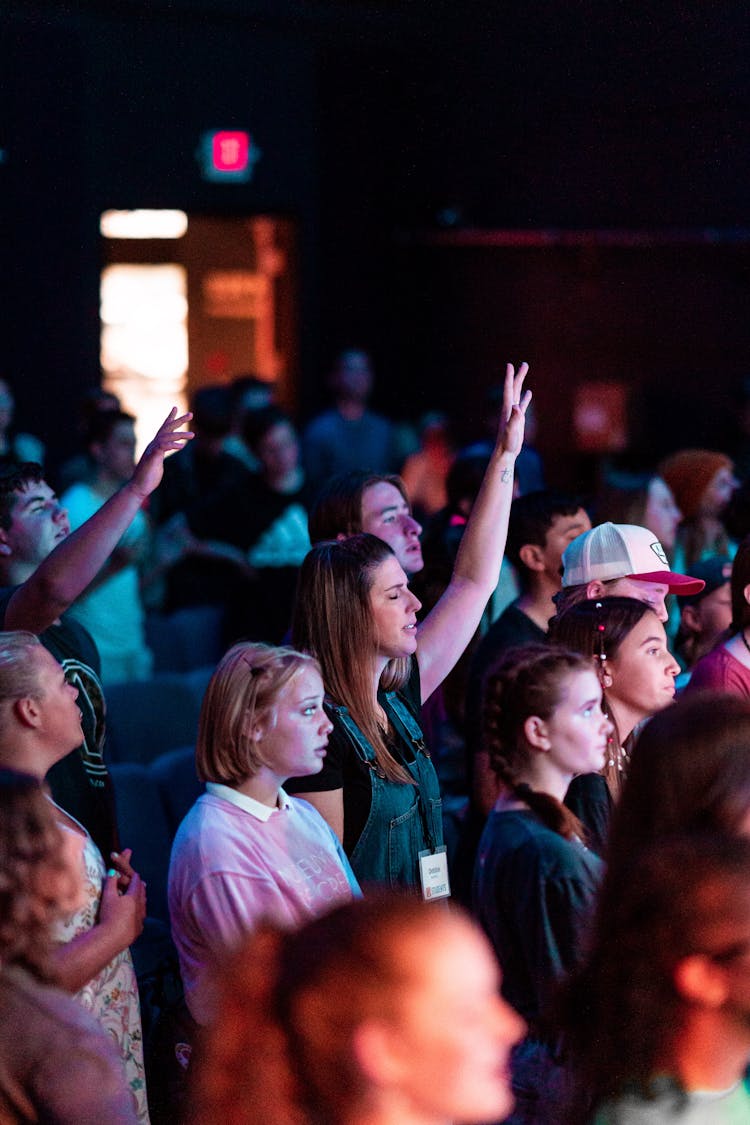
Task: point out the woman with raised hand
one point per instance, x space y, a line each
355 613
535 881
383 1012
57 1064
246 851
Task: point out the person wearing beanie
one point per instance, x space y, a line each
702 483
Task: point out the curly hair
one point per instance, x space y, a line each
281 1051
621 1012
30 846
527 681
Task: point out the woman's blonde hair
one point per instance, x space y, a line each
241 694
333 620
19 672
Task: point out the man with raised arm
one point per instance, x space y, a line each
43 569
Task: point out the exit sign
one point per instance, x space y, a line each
227 156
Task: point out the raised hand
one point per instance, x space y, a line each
169 437
515 404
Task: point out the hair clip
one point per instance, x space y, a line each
600 627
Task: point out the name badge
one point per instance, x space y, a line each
433 874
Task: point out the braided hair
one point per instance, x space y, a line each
527 681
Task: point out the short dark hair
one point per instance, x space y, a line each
13 479
531 517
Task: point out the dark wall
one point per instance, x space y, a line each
378 122
106 109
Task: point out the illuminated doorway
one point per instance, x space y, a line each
192 300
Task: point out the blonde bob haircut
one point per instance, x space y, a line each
241 694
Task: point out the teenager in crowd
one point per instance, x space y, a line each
43 569
246 851
535 880
626 644
621 560
378 504
111 608
384 1012
356 615
57 1064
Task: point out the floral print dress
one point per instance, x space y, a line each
112 995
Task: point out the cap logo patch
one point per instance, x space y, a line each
658 550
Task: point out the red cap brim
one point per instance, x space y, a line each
677 583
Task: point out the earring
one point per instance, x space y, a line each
606 680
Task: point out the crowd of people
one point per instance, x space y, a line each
473 843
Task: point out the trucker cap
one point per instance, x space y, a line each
622 550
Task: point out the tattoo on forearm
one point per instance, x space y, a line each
505 475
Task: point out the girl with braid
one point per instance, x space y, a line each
535 880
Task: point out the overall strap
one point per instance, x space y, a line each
410 730
361 745
409 727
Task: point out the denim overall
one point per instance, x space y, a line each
404 819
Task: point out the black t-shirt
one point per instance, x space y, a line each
343 768
80 782
533 894
589 798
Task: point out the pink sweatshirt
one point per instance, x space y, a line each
236 861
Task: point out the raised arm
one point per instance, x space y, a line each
447 630
67 571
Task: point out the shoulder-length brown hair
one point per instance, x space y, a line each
333 621
242 693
